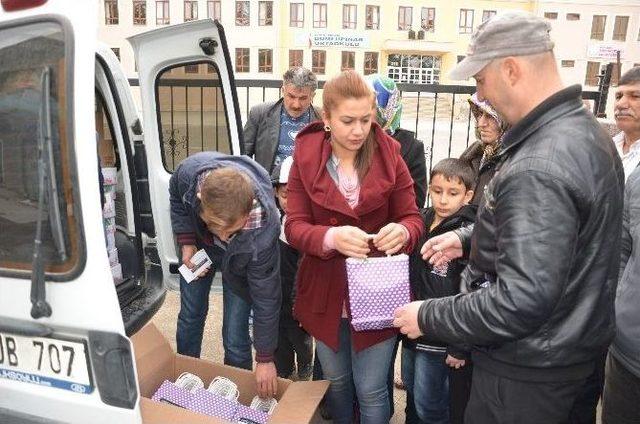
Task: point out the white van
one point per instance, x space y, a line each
67 302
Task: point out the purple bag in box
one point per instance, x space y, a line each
377 286
244 414
172 394
207 403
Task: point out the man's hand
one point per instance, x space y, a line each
390 238
441 249
454 362
266 379
188 250
351 241
406 319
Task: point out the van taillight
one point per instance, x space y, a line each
13 5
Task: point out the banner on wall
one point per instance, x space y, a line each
323 39
605 51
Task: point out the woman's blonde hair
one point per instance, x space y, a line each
351 85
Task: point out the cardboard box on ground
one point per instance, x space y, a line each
156 362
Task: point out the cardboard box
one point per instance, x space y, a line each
156 361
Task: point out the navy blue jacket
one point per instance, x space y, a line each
250 264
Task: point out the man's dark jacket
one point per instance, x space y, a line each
261 133
547 238
251 263
412 151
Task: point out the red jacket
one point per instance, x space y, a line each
316 204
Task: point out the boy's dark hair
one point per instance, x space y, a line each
632 76
454 168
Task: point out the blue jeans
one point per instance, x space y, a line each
366 371
426 378
194 306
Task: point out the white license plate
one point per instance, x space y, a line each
45 361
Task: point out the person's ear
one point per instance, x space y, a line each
511 69
199 196
468 196
325 118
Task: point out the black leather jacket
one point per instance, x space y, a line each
547 238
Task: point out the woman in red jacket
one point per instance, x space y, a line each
348 180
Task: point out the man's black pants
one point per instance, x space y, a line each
621 397
499 400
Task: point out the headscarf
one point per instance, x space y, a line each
389 105
477 107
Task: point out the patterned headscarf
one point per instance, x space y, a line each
477 107
389 106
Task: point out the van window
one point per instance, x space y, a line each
36 151
192 112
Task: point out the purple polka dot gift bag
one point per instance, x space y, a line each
377 286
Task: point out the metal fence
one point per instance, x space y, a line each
439 115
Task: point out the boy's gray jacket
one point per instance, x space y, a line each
262 132
251 264
547 238
626 344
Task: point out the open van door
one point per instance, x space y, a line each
189 104
64 356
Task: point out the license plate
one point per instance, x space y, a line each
45 361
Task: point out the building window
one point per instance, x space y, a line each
111 12
413 68
265 13
139 12
319 15
597 27
318 60
465 24
593 69
488 14
265 60
242 60
190 10
405 16
116 51
162 12
620 28
614 74
295 58
349 16
551 15
370 63
213 9
568 63
573 16
348 61
428 19
211 69
372 17
296 15
242 13
191 69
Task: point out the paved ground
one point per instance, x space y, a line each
166 317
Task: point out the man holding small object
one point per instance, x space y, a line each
545 250
225 206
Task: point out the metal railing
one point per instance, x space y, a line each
439 115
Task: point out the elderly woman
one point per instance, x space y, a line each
347 181
490 129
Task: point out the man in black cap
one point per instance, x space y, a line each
544 253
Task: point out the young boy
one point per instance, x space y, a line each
424 371
292 339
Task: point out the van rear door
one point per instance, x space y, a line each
189 104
